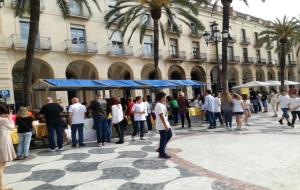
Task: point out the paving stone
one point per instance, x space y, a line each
149 148
133 154
101 151
137 186
146 142
18 168
82 166
150 164
52 187
221 186
75 156
125 173
45 175
49 153
184 172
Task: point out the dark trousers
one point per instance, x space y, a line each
182 115
74 129
55 127
295 114
175 115
138 127
100 125
228 117
218 116
165 137
149 124
211 118
120 131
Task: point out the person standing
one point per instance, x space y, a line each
264 99
247 107
282 102
254 100
129 112
238 110
139 110
183 109
76 115
209 106
162 124
64 118
52 113
7 151
98 107
174 109
148 115
108 133
217 110
24 126
259 96
117 118
273 101
294 105
227 109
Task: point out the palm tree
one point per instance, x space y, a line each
286 33
226 20
33 7
139 14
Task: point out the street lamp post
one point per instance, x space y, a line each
215 38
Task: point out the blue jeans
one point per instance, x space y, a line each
58 128
228 117
165 137
285 112
74 129
295 114
24 143
100 124
218 116
211 118
138 127
109 130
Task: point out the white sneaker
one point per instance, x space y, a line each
51 150
61 149
99 144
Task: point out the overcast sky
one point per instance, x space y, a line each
270 9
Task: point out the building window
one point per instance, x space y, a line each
78 37
174 46
148 45
230 53
245 55
117 42
75 8
243 33
256 37
195 50
269 56
258 57
111 6
24 29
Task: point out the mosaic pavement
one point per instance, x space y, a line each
201 159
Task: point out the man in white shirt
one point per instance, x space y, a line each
76 114
294 105
283 103
217 111
209 106
139 110
162 124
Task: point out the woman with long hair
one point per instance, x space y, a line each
24 126
117 118
247 107
238 109
7 152
226 109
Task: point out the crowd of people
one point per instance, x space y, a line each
140 112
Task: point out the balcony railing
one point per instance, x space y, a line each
245 41
171 29
291 63
261 61
213 58
42 43
75 12
176 55
234 59
195 33
232 39
198 57
248 60
149 54
121 51
81 48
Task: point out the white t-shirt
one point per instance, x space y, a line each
139 108
209 103
247 104
237 106
161 108
293 103
117 114
78 112
283 101
217 105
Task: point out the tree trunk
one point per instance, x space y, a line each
156 49
282 65
32 38
226 16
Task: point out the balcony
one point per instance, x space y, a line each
81 14
149 54
245 41
195 33
261 61
291 63
81 48
119 51
234 59
247 60
213 59
42 44
198 57
172 30
176 56
257 45
232 39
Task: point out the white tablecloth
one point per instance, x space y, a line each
89 134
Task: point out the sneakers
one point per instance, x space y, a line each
165 156
99 144
289 124
132 138
292 125
61 149
280 121
19 158
82 145
73 146
26 158
51 150
120 142
142 138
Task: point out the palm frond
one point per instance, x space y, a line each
64 8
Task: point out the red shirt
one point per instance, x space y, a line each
129 108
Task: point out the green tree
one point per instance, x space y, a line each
226 21
33 8
137 14
286 33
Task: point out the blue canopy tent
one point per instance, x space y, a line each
157 83
72 84
192 83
